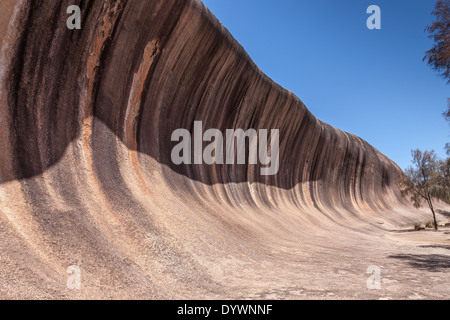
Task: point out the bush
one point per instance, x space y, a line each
429 224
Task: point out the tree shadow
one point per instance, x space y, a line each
430 262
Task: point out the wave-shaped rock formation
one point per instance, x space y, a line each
87 178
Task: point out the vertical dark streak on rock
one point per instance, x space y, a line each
26 166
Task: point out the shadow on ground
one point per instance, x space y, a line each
429 262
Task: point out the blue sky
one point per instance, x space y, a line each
371 83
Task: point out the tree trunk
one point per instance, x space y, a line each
432 210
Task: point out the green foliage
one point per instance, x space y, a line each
427 178
438 57
441 187
420 179
446 114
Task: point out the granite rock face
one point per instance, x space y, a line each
87 177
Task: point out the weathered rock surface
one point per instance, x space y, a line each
87 179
